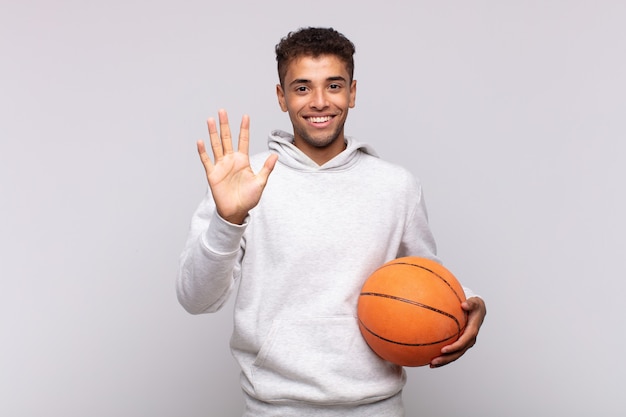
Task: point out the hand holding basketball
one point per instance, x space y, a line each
411 308
476 309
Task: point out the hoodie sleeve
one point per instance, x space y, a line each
418 239
208 265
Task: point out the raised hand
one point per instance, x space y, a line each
235 187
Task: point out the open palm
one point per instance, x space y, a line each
235 187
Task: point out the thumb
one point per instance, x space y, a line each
268 167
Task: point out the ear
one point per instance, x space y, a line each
352 94
280 94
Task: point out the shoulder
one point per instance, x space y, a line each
389 171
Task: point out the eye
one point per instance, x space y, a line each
334 86
301 89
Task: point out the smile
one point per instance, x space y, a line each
321 119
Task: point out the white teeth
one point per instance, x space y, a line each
319 119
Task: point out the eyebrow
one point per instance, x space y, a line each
305 81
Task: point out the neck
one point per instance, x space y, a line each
323 154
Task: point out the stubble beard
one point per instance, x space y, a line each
320 142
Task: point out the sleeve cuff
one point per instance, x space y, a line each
223 237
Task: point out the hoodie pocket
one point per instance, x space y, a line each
322 360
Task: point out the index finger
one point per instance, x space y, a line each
244 135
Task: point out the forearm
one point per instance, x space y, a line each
208 265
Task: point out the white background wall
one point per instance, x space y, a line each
511 112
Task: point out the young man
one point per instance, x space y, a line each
297 230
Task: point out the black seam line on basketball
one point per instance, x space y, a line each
415 303
425 269
395 342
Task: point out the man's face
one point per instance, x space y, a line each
317 94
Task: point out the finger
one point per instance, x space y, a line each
451 353
204 157
445 359
227 140
466 341
268 167
244 134
216 142
474 303
476 311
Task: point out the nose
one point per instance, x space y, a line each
318 99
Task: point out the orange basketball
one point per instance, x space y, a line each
409 309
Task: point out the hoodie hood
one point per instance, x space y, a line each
281 143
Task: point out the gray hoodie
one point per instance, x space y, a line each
299 261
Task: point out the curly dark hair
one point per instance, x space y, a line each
314 42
